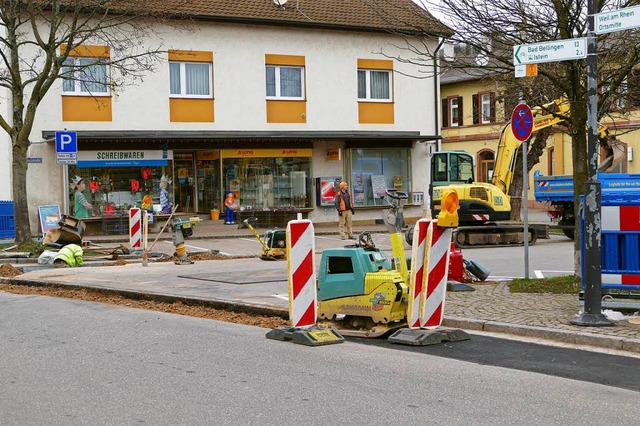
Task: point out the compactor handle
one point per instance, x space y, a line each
396 195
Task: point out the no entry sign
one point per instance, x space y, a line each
522 122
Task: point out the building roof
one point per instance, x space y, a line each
365 15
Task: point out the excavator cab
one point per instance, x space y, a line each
451 167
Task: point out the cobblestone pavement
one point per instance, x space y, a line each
494 302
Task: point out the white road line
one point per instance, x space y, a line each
253 240
539 274
281 296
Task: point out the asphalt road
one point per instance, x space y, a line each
75 362
549 257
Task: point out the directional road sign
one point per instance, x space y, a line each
522 122
550 51
617 20
66 147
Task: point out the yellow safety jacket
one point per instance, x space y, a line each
71 254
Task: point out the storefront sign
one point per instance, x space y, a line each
334 154
257 153
133 158
207 155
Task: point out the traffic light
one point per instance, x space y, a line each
449 203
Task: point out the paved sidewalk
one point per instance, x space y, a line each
490 308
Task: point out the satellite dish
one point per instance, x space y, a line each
280 3
482 60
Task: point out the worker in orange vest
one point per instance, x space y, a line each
344 205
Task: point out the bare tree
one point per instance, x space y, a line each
38 39
490 30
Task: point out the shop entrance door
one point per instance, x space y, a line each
184 181
208 171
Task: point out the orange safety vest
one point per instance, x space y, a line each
342 204
229 202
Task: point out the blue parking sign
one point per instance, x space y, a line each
66 142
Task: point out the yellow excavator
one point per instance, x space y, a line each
485 208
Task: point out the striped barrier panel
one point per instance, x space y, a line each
301 273
437 264
620 265
416 280
135 228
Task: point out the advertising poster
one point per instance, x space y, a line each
49 217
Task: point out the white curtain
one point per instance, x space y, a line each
362 84
197 79
271 81
290 82
379 85
68 83
93 76
174 78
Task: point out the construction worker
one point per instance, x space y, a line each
69 256
81 207
230 204
344 205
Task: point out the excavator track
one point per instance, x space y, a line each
495 234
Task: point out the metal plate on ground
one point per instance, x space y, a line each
406 336
239 278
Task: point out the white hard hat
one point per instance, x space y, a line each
75 181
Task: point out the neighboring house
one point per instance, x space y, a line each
266 102
474 113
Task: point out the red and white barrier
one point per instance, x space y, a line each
437 265
135 228
416 280
621 218
480 217
301 273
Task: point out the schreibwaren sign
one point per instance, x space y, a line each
128 158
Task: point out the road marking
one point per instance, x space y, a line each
539 273
253 240
204 250
281 296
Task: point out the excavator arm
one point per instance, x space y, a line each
508 144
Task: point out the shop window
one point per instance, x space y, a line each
285 82
374 85
263 183
85 76
112 191
190 79
374 170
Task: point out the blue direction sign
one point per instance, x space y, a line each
66 147
522 122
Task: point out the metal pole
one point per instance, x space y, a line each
525 195
591 255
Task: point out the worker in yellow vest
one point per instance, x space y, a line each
69 256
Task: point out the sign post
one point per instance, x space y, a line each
66 147
522 127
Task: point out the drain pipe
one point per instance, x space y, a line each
436 93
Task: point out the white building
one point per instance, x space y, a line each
252 98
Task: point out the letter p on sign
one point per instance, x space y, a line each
66 142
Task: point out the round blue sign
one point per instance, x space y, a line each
522 122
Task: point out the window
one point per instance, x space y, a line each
374 85
369 165
284 82
452 111
484 108
85 76
190 79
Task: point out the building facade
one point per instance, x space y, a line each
264 105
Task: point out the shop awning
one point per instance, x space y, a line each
247 135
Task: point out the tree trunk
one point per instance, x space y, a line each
21 207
